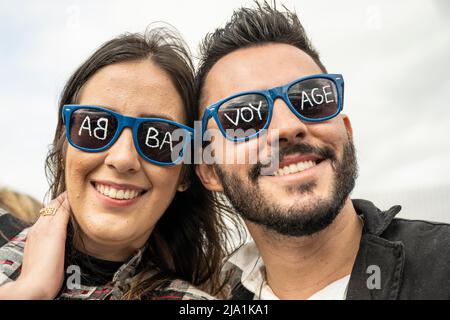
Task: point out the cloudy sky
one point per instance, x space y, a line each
394 55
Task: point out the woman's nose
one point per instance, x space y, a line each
123 156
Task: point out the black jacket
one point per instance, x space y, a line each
413 257
397 259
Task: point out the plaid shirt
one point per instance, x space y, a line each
11 255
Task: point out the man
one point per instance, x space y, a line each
311 241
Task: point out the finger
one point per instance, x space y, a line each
61 198
63 213
61 203
62 207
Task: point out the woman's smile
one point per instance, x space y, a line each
118 195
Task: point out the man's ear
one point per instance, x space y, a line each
208 177
348 125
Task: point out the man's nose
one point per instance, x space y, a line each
285 126
123 156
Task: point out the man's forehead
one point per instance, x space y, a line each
255 68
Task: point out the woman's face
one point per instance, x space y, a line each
137 89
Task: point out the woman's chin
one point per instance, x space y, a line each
103 234
109 232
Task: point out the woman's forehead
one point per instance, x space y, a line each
136 88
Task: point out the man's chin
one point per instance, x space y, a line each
302 213
300 195
297 224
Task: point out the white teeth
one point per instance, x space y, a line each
293 168
301 166
113 193
118 194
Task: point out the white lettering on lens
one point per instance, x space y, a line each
258 109
167 139
318 96
249 111
152 137
315 96
99 127
237 118
304 98
327 94
250 114
87 121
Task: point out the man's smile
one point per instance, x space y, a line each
297 163
298 171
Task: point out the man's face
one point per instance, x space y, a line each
292 203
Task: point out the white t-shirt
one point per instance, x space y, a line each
247 258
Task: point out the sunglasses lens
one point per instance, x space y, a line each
92 129
161 141
314 98
244 115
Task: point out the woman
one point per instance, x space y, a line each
140 225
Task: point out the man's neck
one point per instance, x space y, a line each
298 267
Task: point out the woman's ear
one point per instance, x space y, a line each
185 179
183 186
208 177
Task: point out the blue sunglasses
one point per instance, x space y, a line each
245 115
95 129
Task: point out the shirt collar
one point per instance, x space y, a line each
375 220
129 268
252 271
126 274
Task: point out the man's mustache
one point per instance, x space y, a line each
325 153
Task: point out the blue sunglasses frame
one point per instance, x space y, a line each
122 123
271 95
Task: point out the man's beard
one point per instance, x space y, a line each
250 203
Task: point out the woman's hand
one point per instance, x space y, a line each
42 273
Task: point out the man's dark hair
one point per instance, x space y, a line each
250 27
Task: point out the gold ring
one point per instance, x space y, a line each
47 211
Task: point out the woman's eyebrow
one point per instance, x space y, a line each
142 115
156 115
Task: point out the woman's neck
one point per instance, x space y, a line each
109 251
